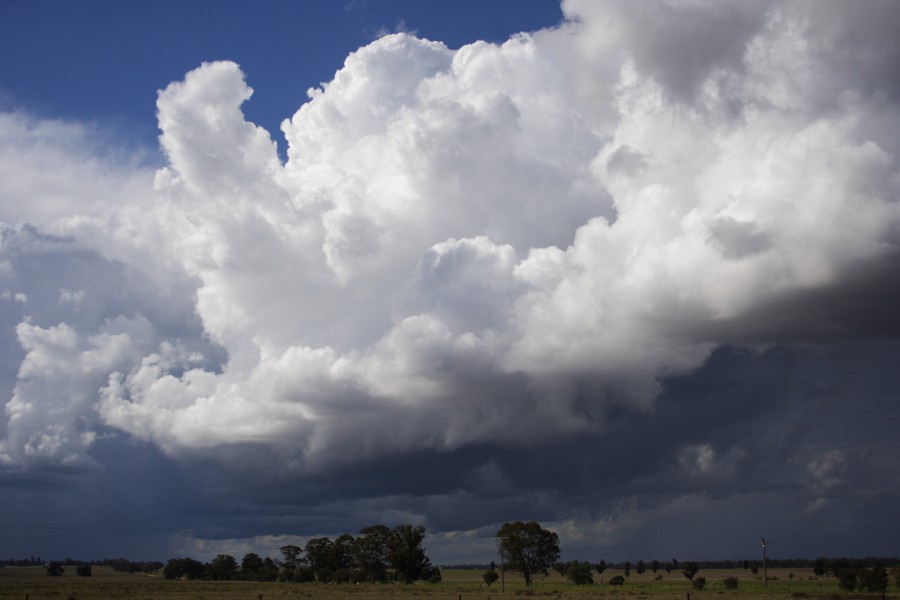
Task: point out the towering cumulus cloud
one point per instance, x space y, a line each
537 233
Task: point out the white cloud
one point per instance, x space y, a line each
523 234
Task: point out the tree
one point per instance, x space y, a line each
731 583
222 567
874 579
188 568
641 568
318 551
291 560
83 570
55 569
405 553
579 573
690 569
490 576
699 583
617 580
654 566
251 563
627 568
754 566
432 574
819 567
370 552
600 567
341 554
528 548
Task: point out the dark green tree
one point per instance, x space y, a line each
731 583
820 566
528 548
654 566
55 569
406 556
627 568
188 568
222 567
83 570
490 576
250 564
699 583
292 557
874 579
579 573
600 566
370 552
640 569
690 569
318 554
341 555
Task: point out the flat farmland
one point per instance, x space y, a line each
32 583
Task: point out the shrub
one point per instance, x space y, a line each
617 580
83 570
699 583
731 583
490 577
580 573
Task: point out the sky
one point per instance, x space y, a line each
277 270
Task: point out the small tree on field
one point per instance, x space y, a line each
731 583
874 579
641 568
690 569
490 576
55 569
600 567
654 566
579 573
819 567
699 583
617 580
83 570
627 568
754 566
528 548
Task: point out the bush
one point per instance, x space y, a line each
490 577
617 580
690 569
699 583
731 583
83 570
580 573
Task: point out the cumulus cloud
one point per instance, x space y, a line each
500 245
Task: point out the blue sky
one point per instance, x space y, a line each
627 269
105 60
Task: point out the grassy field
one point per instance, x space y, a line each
32 583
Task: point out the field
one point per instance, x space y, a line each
32 583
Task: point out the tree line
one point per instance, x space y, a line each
376 554
381 554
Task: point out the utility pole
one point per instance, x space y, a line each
762 542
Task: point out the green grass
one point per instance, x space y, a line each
32 582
